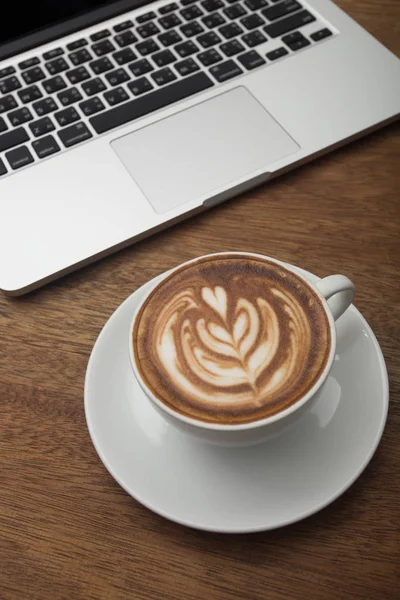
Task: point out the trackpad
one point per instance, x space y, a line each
203 149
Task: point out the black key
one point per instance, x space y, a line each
79 74
230 30
168 8
280 10
66 116
169 37
209 57
116 96
3 169
191 29
13 138
70 96
209 39
117 77
293 22
101 65
187 67
41 127
10 84
148 29
251 60
163 58
19 116
54 84
53 53
100 35
147 47
45 106
20 157
102 48
28 63
77 44
146 17
140 86
321 34
57 66
46 146
187 2
80 56
256 4
30 94
277 53
151 102
163 76
231 48
191 12
225 71
91 106
186 49
125 38
6 72
235 11
122 26
211 5
74 135
170 21
94 86
252 22
3 125
295 41
124 56
213 20
140 67
254 38
7 103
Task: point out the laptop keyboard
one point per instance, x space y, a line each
76 92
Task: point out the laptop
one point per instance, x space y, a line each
120 118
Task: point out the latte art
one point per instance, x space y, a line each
231 339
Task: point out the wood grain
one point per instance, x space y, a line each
69 532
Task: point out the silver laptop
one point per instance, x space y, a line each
118 119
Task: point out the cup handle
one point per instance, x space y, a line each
339 291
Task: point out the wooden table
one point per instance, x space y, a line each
69 532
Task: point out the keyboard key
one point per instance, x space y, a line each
146 17
67 116
45 106
280 10
187 2
116 96
226 70
209 39
117 77
53 53
30 94
10 84
41 127
140 67
20 116
148 29
191 12
140 86
57 66
91 106
80 56
150 102
163 58
124 56
230 30
122 26
252 22
94 86
70 96
321 34
209 57
163 76
211 5
3 169
254 38
125 38
20 157
77 44
295 41
6 72
187 67
101 65
231 48
170 21
70 136
13 138
147 47
277 53
168 8
186 49
169 37
54 84
256 4
45 146
3 125
100 35
29 62
7 103
293 22
251 60
213 20
79 74
235 11
102 48
191 29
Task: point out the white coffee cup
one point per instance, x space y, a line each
338 289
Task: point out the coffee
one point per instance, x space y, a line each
231 339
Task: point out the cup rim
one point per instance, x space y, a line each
252 424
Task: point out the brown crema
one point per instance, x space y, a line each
231 339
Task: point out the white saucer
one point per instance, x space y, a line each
237 490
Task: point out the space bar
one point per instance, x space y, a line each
150 102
